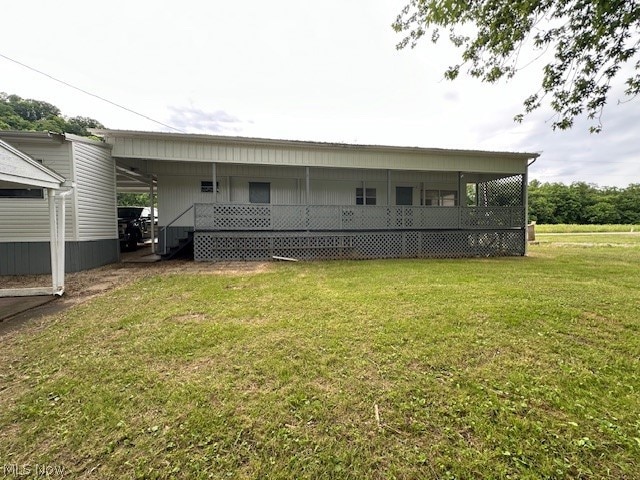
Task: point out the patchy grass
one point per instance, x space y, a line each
475 368
569 228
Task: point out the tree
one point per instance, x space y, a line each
591 41
135 199
17 113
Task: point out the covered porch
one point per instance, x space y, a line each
250 198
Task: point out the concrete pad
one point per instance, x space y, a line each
143 259
11 306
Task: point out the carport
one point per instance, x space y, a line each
18 172
131 180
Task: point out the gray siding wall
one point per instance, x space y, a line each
33 258
95 193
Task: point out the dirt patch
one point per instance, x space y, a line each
83 286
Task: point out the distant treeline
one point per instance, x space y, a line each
17 113
583 203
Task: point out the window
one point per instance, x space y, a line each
448 198
440 198
432 198
259 192
404 195
206 186
21 193
365 196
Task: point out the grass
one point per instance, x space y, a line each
475 368
569 228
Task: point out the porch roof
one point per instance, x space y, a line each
18 169
247 150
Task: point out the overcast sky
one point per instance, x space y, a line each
292 69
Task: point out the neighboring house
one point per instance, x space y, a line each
90 215
253 199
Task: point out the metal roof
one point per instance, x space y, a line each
19 169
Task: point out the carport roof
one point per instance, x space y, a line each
18 169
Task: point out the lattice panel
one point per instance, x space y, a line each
289 217
240 217
492 217
503 192
324 217
216 246
432 217
212 216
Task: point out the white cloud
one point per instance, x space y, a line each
195 120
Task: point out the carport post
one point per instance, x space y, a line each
53 238
153 218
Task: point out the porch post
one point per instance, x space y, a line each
525 200
53 238
388 187
307 195
152 227
214 178
462 196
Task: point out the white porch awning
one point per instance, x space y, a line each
18 170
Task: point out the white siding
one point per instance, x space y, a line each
95 195
175 194
247 151
179 185
27 219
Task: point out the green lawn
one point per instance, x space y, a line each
572 228
474 368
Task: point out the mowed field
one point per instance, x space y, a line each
473 368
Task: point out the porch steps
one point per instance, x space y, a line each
184 249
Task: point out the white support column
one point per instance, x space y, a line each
214 178
307 187
59 289
388 187
61 245
152 227
53 238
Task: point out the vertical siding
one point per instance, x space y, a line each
224 151
95 194
27 219
175 194
179 185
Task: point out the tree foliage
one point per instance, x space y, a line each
582 203
135 199
591 41
17 113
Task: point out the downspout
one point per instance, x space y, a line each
59 288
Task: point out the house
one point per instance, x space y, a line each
86 170
253 199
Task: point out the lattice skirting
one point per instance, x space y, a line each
220 246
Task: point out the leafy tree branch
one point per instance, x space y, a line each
591 41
